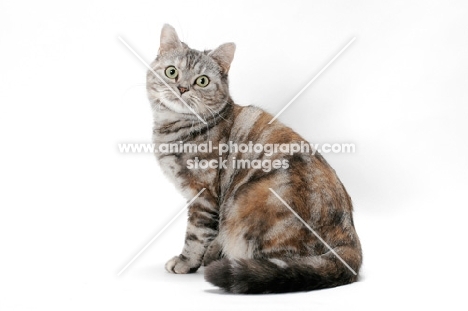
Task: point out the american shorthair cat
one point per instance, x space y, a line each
248 239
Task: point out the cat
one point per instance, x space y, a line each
245 236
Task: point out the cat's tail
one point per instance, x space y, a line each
256 276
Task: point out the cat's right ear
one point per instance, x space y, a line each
169 39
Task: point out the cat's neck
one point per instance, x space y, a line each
172 126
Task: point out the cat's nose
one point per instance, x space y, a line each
182 89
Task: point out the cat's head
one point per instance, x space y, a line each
200 78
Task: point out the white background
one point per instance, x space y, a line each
74 210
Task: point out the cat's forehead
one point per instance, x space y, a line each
191 60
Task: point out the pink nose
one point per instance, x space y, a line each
182 89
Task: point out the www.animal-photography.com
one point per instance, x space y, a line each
233 155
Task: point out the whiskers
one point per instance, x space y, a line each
197 104
164 101
214 113
201 107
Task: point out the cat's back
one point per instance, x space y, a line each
306 168
251 122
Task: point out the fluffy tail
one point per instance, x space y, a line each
256 276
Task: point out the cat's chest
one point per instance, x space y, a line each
190 169
190 156
189 166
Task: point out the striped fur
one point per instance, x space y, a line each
250 242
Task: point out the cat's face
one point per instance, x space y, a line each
199 78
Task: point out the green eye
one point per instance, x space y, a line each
202 81
171 72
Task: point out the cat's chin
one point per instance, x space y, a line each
176 106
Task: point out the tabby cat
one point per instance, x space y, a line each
248 239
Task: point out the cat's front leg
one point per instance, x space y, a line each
202 228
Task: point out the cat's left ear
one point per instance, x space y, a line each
224 55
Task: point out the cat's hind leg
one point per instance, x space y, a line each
213 252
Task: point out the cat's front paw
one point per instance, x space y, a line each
180 265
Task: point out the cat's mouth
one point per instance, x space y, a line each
179 105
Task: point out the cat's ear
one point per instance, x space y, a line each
169 39
224 55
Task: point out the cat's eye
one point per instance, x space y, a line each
171 72
202 81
